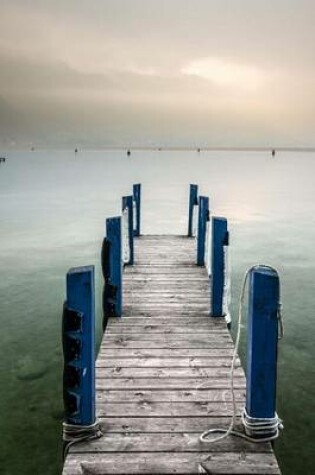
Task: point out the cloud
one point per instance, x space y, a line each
229 74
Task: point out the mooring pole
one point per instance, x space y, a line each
137 201
203 217
262 344
78 339
220 238
127 203
112 269
193 201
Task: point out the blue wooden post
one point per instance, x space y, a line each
193 200
137 200
127 202
112 269
78 338
262 343
203 217
220 238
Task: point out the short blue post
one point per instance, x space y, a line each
193 200
78 338
137 200
203 217
262 343
220 238
127 203
112 269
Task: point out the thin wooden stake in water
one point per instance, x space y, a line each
78 338
262 342
203 217
220 238
193 201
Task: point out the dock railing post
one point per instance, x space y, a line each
203 217
220 239
262 344
137 209
128 246
112 269
78 339
193 201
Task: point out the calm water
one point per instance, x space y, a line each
53 206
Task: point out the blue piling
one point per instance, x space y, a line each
127 202
203 217
220 238
112 269
78 339
193 200
262 344
137 200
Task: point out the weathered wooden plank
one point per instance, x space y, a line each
167 383
156 362
197 393
139 320
132 311
164 353
220 463
166 424
168 299
153 328
191 372
167 341
168 442
217 342
163 322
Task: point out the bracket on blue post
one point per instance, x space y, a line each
137 201
193 200
203 218
220 238
112 270
78 339
262 345
127 203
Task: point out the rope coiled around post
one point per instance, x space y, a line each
74 434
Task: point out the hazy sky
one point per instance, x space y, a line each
114 72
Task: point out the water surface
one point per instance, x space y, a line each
53 207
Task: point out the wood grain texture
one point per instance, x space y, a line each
163 376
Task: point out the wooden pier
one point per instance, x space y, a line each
163 376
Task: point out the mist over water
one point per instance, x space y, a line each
53 207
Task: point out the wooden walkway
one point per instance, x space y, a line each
162 376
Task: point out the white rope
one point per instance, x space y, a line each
254 426
74 434
125 236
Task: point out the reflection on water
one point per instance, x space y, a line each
53 207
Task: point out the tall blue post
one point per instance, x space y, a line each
78 338
127 203
262 343
203 217
220 238
193 200
137 200
112 269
